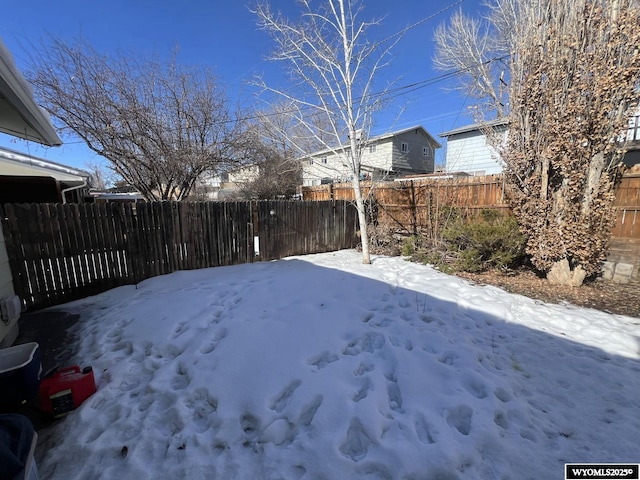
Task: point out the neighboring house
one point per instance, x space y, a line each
632 157
116 197
405 152
242 175
226 186
469 151
21 117
231 187
27 179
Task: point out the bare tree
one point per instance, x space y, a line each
573 81
99 177
274 177
471 47
334 69
275 170
159 124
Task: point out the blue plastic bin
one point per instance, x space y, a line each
20 372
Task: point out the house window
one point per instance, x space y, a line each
425 151
324 160
404 147
372 149
634 129
311 161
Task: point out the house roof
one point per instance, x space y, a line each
377 138
19 164
20 116
475 126
400 132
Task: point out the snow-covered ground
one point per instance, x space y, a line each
319 367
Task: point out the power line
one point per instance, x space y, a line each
388 94
418 23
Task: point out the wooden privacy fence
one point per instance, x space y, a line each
411 204
415 206
59 253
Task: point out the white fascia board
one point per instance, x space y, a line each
20 116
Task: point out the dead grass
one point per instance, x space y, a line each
606 296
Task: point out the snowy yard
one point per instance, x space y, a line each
319 367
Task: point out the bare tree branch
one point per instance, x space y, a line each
159 124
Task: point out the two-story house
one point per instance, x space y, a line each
404 152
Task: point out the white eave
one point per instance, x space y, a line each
474 127
20 116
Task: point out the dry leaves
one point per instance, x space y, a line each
622 299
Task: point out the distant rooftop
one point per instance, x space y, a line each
475 126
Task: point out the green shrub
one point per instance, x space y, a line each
491 241
409 246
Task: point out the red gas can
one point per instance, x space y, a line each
66 390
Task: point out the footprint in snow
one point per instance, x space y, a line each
424 431
404 303
401 342
475 386
211 344
181 380
502 395
357 443
283 399
363 368
250 425
202 405
367 316
322 360
179 330
366 386
395 396
309 411
460 418
368 342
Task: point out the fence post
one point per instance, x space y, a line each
414 209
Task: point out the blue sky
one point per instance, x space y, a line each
223 34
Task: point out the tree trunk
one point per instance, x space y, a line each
591 191
362 220
561 274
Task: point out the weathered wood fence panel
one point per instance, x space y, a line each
293 228
628 208
59 253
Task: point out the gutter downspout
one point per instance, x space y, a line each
64 197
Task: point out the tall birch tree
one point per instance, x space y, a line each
334 69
